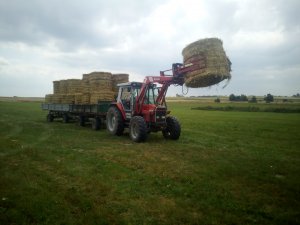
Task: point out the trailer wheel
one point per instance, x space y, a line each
114 121
50 118
138 129
81 121
65 118
96 123
173 129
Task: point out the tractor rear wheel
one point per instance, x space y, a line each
173 129
114 121
138 129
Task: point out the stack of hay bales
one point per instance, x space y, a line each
99 85
119 78
218 66
93 88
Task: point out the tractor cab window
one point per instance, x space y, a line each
125 97
151 95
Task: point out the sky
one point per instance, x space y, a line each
42 41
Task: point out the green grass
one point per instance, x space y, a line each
226 168
250 107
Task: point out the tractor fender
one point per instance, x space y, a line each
119 106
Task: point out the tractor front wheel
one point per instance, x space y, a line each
114 121
138 129
173 129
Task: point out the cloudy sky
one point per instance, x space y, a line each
42 41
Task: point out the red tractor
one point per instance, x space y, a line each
141 106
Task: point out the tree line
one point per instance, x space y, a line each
243 98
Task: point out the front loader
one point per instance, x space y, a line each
141 106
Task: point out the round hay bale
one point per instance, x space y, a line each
123 77
97 76
48 98
74 86
63 87
118 79
85 98
100 85
218 66
85 86
55 98
78 98
56 89
96 97
67 99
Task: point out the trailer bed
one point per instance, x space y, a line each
97 109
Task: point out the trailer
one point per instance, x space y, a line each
83 113
140 106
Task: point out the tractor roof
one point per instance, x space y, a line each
130 84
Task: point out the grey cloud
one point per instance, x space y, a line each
69 23
131 36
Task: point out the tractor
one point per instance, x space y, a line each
141 106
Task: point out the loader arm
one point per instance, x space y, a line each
176 78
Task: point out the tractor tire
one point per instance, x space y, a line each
114 121
65 118
50 118
173 129
138 129
96 123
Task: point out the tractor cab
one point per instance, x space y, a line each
129 97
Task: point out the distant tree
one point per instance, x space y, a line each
253 99
269 98
217 100
232 97
244 98
238 98
296 95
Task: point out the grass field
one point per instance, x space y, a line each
226 168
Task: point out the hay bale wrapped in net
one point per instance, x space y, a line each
218 66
